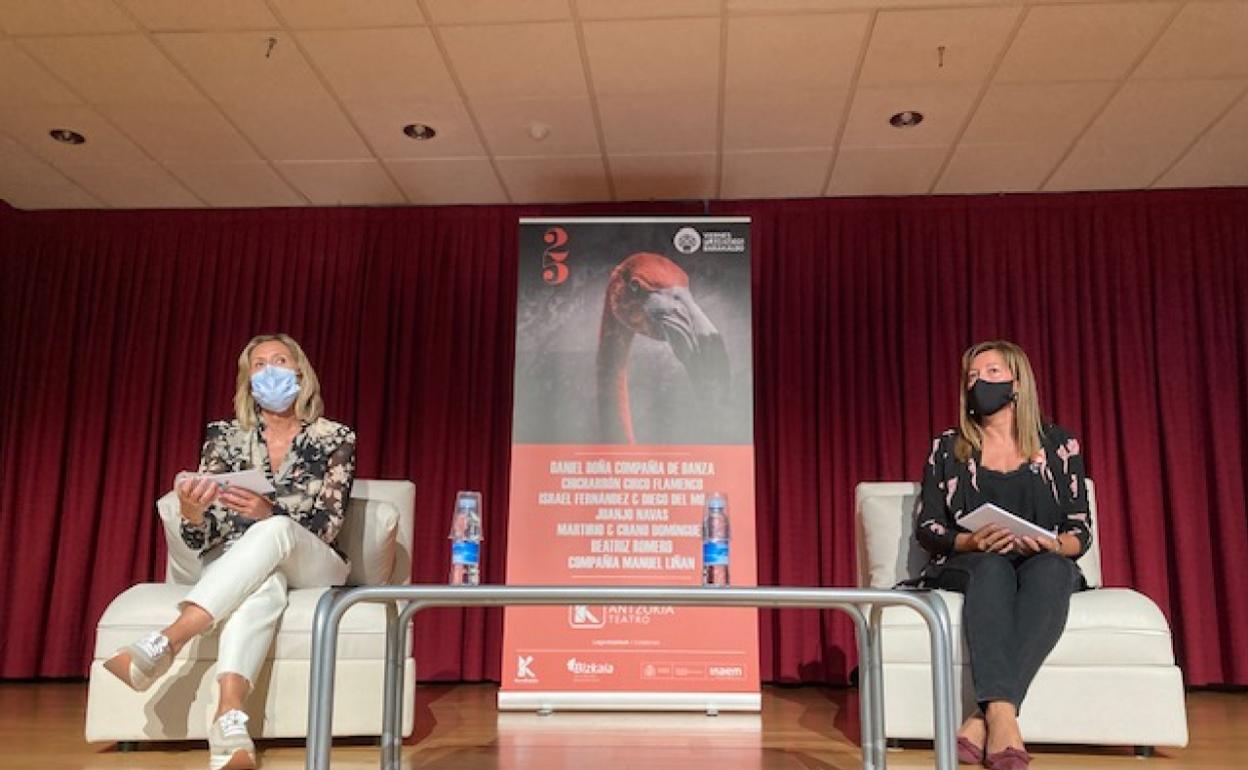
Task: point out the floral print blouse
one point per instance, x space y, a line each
951 489
313 484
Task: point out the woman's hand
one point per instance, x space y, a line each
247 503
194 497
1029 546
993 539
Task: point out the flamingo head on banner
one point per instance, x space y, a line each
649 294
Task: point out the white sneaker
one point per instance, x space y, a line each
141 663
229 745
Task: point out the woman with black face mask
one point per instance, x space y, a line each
1017 589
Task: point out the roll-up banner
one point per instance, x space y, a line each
633 405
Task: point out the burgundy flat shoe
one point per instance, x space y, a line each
969 753
1008 758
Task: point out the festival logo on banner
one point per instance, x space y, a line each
633 403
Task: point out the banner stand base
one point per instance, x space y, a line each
630 701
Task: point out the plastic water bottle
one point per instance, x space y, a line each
466 540
715 537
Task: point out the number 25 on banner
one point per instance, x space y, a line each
554 272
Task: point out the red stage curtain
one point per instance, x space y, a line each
120 332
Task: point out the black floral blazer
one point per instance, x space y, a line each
313 485
950 490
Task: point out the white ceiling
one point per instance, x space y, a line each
302 102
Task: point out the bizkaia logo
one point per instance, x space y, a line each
586 616
588 668
524 668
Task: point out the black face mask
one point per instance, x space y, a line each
987 398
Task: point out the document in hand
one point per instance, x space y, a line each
251 480
991 514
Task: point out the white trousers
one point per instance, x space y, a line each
244 589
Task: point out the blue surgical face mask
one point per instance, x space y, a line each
275 388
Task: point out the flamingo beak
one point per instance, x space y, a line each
696 342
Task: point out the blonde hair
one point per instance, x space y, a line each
308 405
1027 421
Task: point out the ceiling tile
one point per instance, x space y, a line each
23 81
339 14
375 65
388 78
234 185
1099 41
1036 112
885 171
114 68
62 17
992 168
820 52
679 56
664 177
342 182
659 122
944 109
137 185
180 15
904 45
508 124
382 123
516 61
780 119
554 180
184 132
496 11
1219 159
276 99
29 183
775 174
448 181
31 124
299 132
1206 40
645 9
1142 131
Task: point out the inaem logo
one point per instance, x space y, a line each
584 616
523 667
687 240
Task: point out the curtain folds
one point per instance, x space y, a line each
121 331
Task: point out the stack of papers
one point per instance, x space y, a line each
251 480
991 514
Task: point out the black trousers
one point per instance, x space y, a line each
1013 614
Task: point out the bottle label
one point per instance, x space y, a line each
714 554
465 552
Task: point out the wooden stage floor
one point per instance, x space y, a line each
458 728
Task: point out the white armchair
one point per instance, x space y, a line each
376 536
1110 680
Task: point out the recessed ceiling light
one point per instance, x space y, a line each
539 131
419 131
67 135
906 119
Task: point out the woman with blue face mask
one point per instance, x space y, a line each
1016 589
254 547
